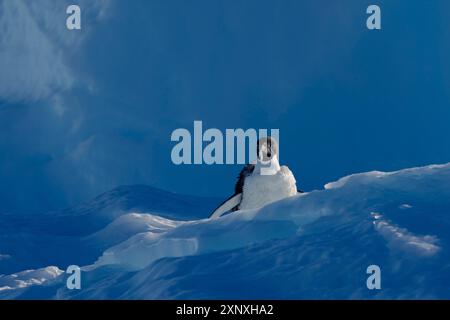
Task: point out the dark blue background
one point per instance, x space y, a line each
345 99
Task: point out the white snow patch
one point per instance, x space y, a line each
144 248
402 239
371 176
131 224
343 181
28 278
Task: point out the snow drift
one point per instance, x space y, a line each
314 245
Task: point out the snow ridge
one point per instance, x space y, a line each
313 245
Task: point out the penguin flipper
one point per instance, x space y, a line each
227 205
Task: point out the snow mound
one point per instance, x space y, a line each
352 196
130 224
316 245
79 234
29 278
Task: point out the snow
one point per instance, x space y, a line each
401 239
28 278
316 245
74 235
130 224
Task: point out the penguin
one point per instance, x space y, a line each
260 183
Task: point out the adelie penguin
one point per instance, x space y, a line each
261 183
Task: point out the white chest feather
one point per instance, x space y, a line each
260 190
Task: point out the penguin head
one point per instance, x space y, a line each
266 149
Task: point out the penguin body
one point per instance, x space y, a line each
260 190
260 183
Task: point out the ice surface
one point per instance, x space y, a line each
313 245
24 279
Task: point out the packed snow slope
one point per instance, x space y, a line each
314 245
63 237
